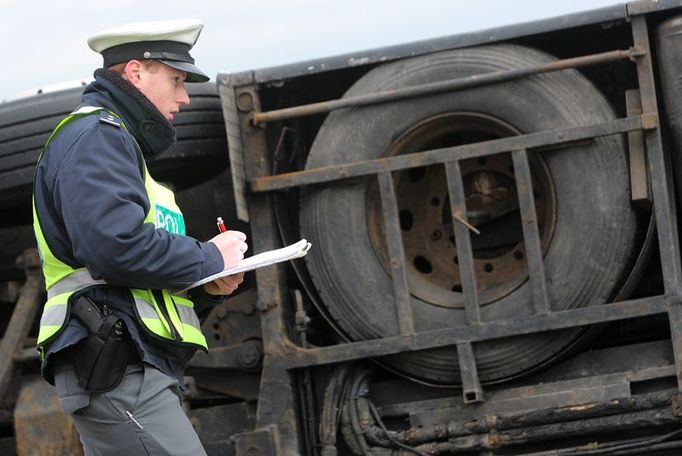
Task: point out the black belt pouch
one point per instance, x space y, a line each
99 360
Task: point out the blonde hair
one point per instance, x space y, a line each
150 65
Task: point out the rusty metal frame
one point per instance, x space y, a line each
24 314
274 419
443 86
662 195
283 358
544 139
297 357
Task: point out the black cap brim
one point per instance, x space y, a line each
194 74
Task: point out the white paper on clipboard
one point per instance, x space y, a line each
260 260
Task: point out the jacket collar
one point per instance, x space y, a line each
152 131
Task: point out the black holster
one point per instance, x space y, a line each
99 360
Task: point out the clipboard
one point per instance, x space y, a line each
290 252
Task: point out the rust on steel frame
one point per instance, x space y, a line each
283 357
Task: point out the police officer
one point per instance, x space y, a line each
114 338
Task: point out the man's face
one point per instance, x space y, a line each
165 88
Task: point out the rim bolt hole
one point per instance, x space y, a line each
406 220
488 267
416 174
518 255
436 235
435 201
423 265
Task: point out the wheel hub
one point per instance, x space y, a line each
432 258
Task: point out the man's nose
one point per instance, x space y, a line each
183 96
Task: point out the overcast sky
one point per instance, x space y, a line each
44 42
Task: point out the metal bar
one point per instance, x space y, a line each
639 177
234 145
675 321
531 234
482 423
471 386
276 384
465 252
297 357
396 254
434 156
22 317
555 394
501 439
661 178
442 86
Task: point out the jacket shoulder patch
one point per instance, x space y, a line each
108 118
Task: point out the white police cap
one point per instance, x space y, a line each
166 41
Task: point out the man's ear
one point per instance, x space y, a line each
133 72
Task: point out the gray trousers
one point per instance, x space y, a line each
142 416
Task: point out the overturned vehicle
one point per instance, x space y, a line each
495 265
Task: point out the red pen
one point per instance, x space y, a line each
221 225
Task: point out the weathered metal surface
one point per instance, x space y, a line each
23 315
13 242
531 232
443 155
519 420
297 357
215 425
661 171
234 321
527 400
28 354
472 392
503 439
235 147
635 447
499 429
240 385
646 6
607 15
283 354
458 211
40 426
639 178
235 355
394 242
260 442
492 204
9 291
444 86
276 384
675 318
643 259
247 356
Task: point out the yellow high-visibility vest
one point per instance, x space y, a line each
164 315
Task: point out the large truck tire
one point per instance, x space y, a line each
25 124
587 223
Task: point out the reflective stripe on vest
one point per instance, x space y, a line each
77 280
182 325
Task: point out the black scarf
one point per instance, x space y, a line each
153 132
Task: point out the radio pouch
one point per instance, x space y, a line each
99 360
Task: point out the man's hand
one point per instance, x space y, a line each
224 285
232 246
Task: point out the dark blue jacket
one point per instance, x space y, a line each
91 202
